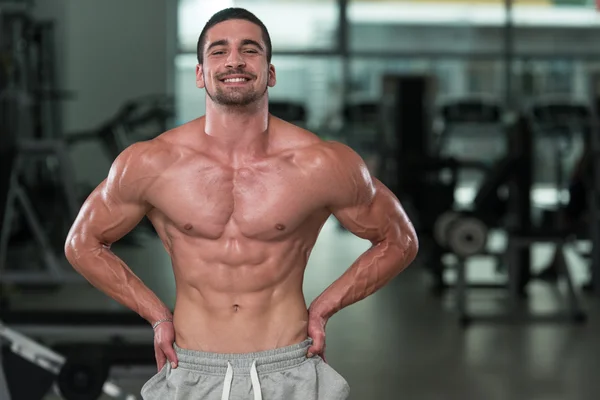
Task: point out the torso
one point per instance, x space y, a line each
239 235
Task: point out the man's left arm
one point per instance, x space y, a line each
368 209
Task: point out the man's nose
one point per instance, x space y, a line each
235 60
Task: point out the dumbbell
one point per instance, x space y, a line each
462 234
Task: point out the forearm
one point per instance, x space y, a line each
108 273
371 271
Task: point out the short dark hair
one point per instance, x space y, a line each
229 14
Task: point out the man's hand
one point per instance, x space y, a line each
316 331
164 337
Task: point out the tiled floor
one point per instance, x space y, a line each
404 343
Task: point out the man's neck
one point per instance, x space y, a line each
238 131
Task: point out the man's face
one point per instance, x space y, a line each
235 71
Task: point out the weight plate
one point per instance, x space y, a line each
467 237
441 225
82 379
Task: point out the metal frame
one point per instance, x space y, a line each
508 56
574 312
55 272
4 393
46 359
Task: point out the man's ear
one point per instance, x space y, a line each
199 76
272 76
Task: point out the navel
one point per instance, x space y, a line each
236 307
280 227
187 227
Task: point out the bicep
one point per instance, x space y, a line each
116 205
376 216
361 203
107 215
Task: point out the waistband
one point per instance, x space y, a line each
266 361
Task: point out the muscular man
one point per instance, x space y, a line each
238 198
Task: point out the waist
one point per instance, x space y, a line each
266 361
248 329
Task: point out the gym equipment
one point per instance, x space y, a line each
521 236
464 231
467 236
476 117
22 86
49 248
432 175
7 155
137 120
20 372
591 181
440 228
406 108
424 182
594 192
561 120
473 117
38 198
82 376
463 235
28 78
516 312
593 198
38 201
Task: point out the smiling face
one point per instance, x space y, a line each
235 71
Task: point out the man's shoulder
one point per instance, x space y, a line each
150 157
333 155
163 149
144 155
305 142
288 136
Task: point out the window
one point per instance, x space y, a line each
303 25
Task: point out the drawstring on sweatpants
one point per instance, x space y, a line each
229 379
255 382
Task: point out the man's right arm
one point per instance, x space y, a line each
112 210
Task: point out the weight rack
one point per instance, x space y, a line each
521 237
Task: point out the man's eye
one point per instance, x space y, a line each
251 51
218 52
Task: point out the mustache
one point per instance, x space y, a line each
238 72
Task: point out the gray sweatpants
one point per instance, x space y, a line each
280 374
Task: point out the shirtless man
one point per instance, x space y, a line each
238 198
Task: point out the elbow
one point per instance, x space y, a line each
77 244
413 246
409 248
72 244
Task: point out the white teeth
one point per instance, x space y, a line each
235 80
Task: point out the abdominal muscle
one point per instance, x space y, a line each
226 305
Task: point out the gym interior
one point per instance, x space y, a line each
480 116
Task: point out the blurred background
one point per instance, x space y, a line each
478 114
